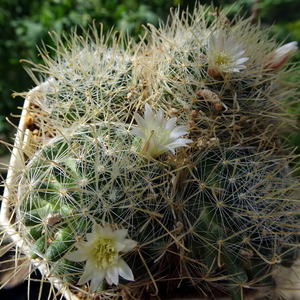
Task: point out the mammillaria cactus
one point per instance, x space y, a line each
158 167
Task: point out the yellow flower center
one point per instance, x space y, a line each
104 253
223 58
162 135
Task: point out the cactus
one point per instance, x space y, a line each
159 167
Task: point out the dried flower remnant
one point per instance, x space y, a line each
213 98
224 55
101 252
159 135
278 57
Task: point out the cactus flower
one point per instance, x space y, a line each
224 55
281 55
159 135
101 252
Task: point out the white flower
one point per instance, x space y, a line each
101 252
159 135
224 55
277 58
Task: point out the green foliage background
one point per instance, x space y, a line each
25 24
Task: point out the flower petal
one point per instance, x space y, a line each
129 245
138 132
124 270
170 124
119 234
119 246
148 112
76 256
241 60
97 279
112 275
86 275
180 143
141 123
104 232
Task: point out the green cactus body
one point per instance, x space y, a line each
240 216
85 177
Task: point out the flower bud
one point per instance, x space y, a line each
281 55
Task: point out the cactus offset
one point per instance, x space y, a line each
159 166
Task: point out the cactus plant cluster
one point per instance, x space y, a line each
158 167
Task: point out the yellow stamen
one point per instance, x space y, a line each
222 58
104 253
